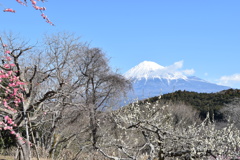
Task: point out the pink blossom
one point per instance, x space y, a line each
47 20
5 104
6 65
10 72
15 91
39 8
8 58
9 10
33 2
20 138
19 1
7 128
44 16
12 84
7 52
6 118
20 83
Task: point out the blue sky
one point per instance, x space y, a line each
202 35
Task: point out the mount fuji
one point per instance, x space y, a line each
151 79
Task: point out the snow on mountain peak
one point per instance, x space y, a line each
151 70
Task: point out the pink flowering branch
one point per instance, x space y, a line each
22 3
11 88
35 6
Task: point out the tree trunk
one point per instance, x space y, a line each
23 152
160 155
93 126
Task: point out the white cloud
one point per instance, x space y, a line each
176 69
189 71
231 80
177 65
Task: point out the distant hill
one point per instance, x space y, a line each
203 102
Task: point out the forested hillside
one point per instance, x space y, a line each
203 102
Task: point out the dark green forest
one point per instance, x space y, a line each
203 102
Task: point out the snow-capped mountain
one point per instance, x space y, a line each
151 70
151 79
